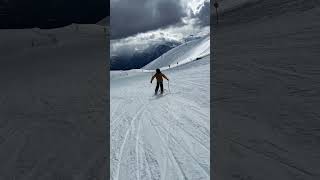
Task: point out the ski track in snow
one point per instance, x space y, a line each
161 137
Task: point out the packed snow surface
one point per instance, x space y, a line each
266 90
161 136
52 103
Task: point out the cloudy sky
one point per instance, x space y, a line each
139 22
129 17
50 13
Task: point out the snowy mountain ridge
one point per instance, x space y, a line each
183 53
134 58
32 39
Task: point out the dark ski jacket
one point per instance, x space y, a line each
159 78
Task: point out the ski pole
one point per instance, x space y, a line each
169 87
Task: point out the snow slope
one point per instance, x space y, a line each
266 91
161 137
185 52
52 103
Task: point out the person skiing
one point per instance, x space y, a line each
159 78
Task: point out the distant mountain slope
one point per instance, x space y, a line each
104 21
25 40
140 58
188 51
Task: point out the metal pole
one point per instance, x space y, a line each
217 15
216 5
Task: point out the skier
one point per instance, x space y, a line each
159 76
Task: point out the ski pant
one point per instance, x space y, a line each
157 87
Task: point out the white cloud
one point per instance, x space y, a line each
194 5
188 26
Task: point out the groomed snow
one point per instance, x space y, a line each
161 137
52 103
266 91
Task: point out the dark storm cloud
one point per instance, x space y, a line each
128 17
51 13
204 14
